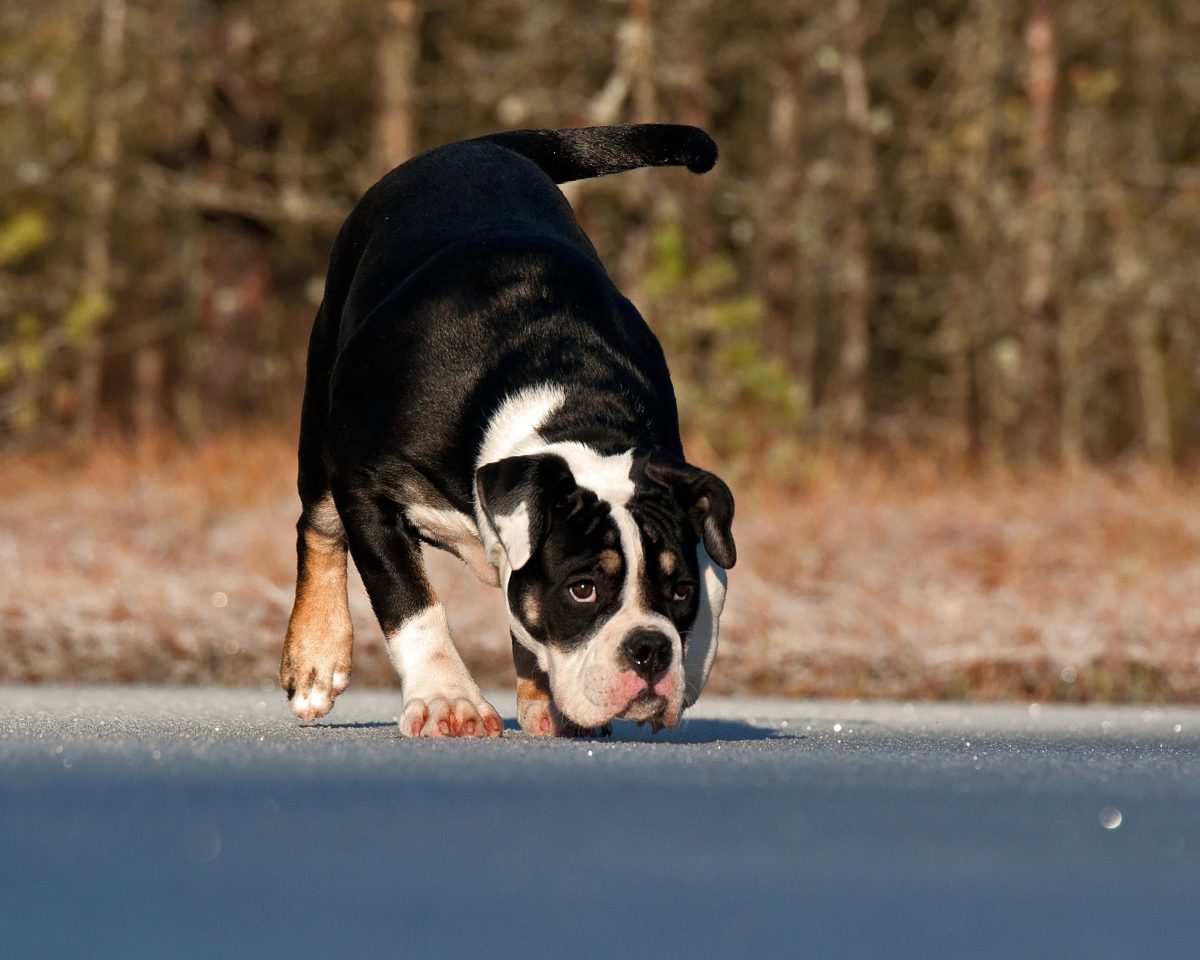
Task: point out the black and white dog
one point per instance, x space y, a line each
476 382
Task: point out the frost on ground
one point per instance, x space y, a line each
179 568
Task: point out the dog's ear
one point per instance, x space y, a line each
517 496
706 499
701 648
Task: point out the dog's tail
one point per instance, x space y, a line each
582 152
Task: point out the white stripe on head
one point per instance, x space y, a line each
513 428
513 432
635 557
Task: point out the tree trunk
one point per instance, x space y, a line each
780 188
637 197
190 347
97 256
398 58
1042 390
645 90
976 321
697 93
850 403
1152 384
1145 321
147 398
1081 319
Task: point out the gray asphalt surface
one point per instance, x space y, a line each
207 823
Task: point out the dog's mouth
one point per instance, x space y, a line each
647 705
625 696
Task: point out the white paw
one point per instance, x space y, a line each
309 706
450 716
317 700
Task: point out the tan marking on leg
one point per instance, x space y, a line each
315 666
533 709
325 520
533 694
667 562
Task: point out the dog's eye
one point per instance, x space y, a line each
583 591
683 592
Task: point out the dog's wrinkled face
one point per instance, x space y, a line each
613 572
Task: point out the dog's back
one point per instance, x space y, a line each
492 189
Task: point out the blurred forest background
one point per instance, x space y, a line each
970 227
958 238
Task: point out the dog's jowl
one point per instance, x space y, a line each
476 383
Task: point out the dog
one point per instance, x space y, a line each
476 382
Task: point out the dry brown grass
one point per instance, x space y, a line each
866 581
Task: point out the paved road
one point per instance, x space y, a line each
206 823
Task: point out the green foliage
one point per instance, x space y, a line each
23 361
21 235
28 356
84 316
730 387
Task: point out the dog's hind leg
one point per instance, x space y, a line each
440 697
315 666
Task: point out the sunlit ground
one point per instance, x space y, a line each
868 580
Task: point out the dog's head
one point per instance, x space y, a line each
614 573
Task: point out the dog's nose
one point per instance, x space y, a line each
648 652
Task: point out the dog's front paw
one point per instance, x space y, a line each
450 716
311 695
538 716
